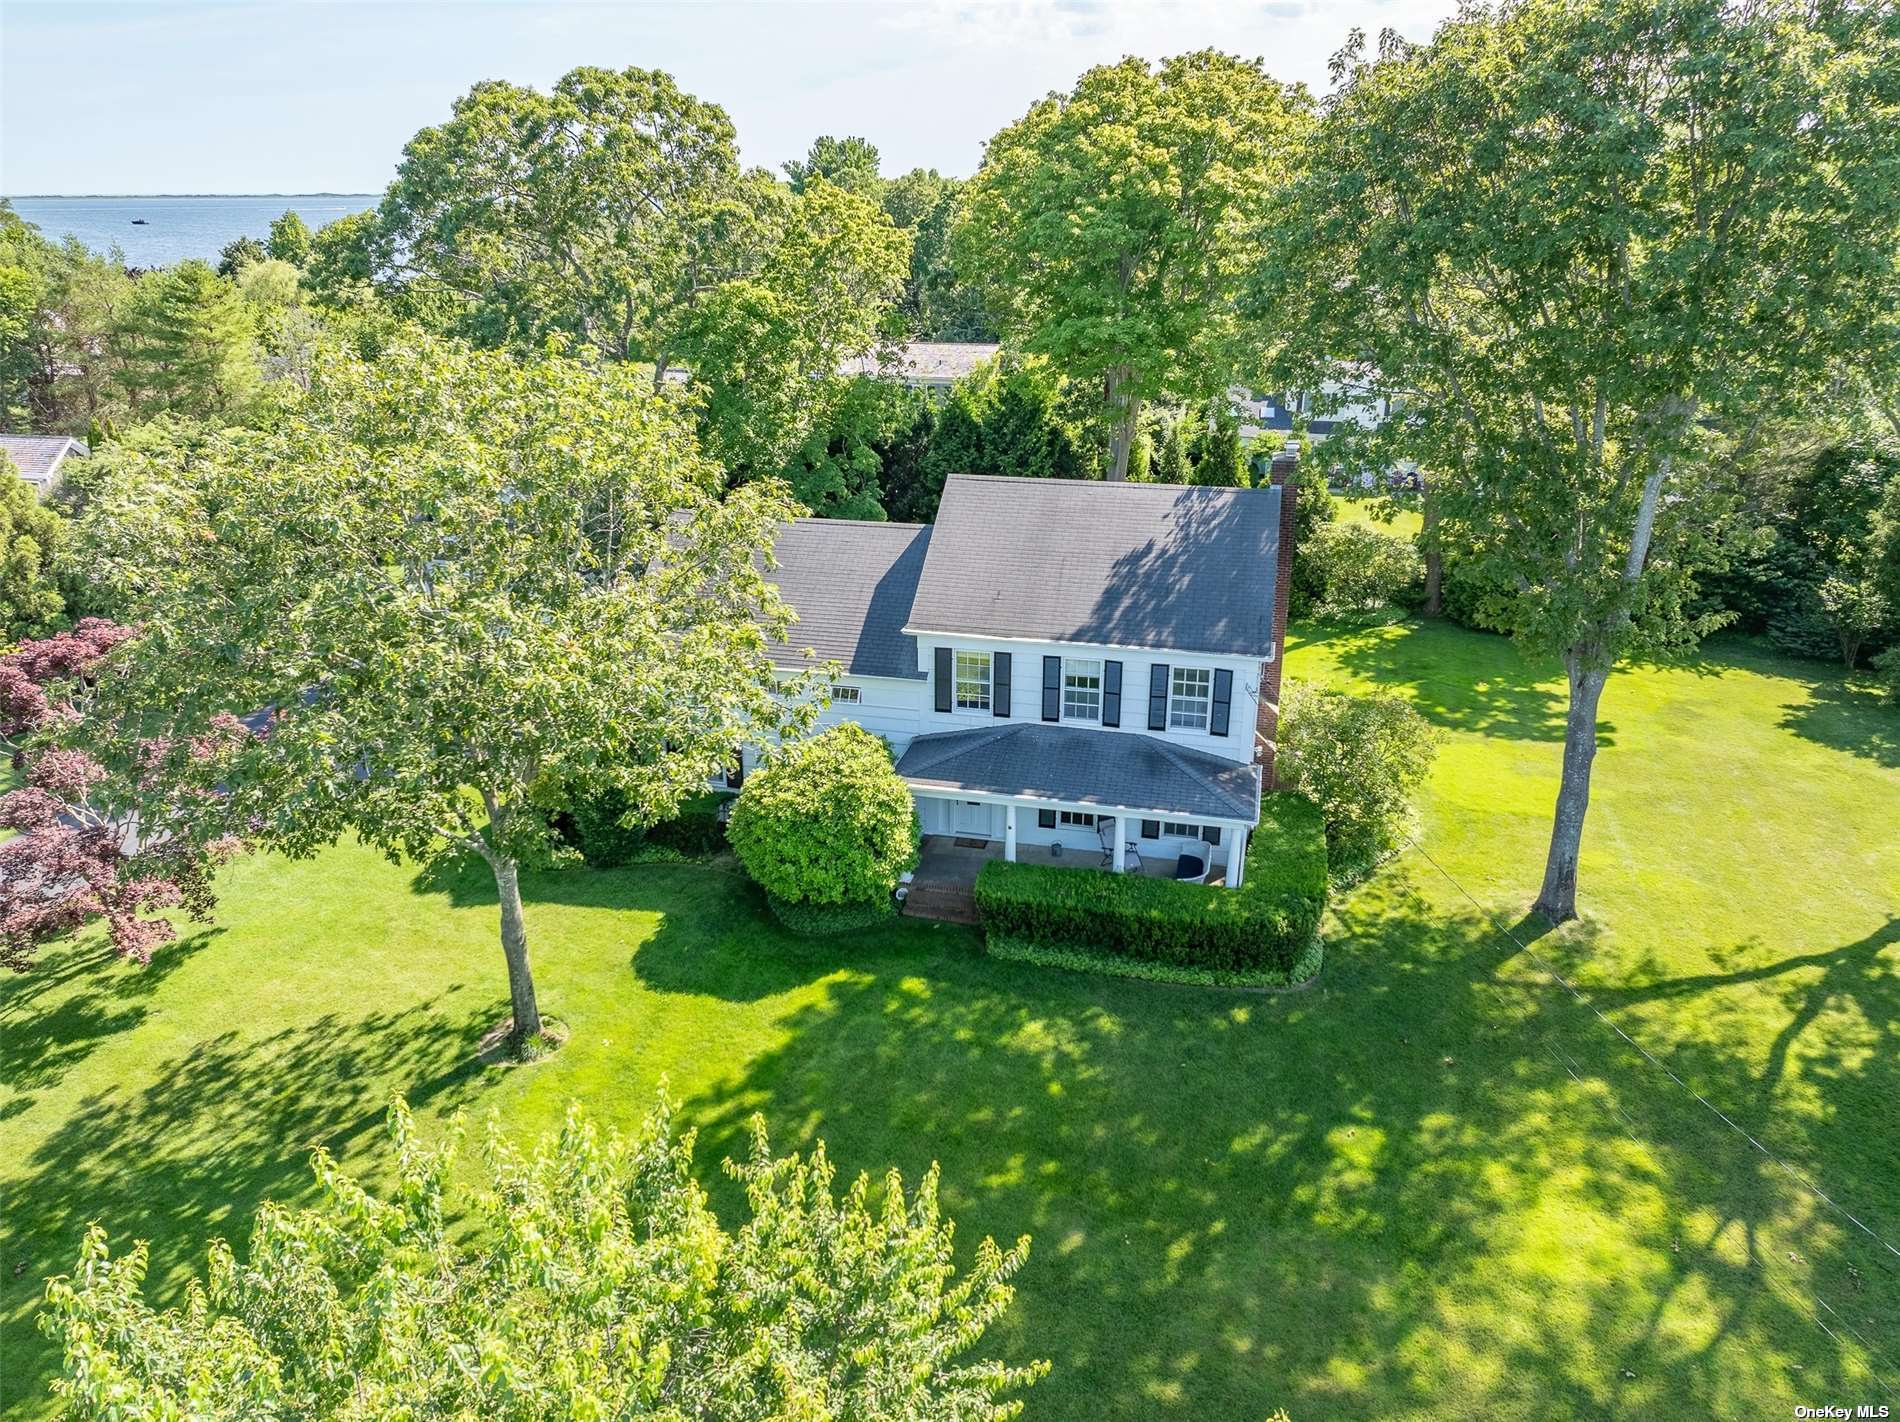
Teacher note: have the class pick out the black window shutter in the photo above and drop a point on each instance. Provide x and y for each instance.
(1045, 819)
(1151, 829)
(1052, 688)
(999, 684)
(1158, 697)
(1111, 693)
(1223, 703)
(946, 691)
(1211, 833)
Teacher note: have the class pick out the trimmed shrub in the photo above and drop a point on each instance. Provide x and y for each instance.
(1360, 759)
(826, 821)
(827, 920)
(1354, 568)
(594, 825)
(1267, 924)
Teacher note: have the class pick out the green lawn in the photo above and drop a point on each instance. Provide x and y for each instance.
(1380, 512)
(1431, 1186)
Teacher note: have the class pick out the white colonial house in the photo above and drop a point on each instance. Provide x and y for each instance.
(1060, 663)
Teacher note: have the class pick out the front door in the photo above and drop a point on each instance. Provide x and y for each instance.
(971, 817)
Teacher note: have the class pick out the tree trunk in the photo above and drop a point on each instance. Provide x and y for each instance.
(514, 946)
(1434, 556)
(1126, 413)
(1557, 900)
(1850, 648)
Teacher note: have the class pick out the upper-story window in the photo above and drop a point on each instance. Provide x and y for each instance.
(973, 681)
(1190, 699)
(842, 694)
(1081, 689)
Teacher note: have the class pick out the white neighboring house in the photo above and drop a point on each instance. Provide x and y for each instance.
(41, 459)
(1335, 403)
(1051, 653)
(926, 365)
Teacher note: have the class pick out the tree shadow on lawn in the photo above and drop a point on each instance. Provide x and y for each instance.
(38, 1047)
(1376, 1197)
(1462, 680)
(224, 1126)
(1845, 717)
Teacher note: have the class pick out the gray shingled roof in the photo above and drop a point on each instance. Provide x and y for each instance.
(1127, 565)
(1116, 769)
(932, 361)
(38, 456)
(851, 584)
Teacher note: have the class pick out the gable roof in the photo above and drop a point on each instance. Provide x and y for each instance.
(1155, 566)
(38, 457)
(851, 584)
(1113, 769)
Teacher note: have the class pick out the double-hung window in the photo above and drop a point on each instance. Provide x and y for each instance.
(1190, 699)
(973, 681)
(1081, 690)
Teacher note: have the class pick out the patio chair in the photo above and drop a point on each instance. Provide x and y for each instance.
(1105, 831)
(1191, 869)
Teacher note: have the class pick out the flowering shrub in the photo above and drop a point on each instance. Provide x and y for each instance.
(80, 852)
(827, 821)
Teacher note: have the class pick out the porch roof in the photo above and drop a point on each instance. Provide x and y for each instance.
(1119, 770)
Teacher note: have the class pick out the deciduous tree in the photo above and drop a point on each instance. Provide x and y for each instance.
(1107, 226)
(452, 577)
(1577, 240)
(596, 1283)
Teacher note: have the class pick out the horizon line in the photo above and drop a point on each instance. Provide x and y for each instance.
(12, 197)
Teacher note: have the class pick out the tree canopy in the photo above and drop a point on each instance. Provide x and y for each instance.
(451, 577)
(597, 1283)
(1579, 242)
(1107, 227)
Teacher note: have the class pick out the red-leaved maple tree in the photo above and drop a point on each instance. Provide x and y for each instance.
(80, 852)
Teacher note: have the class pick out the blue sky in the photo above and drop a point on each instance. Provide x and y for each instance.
(319, 97)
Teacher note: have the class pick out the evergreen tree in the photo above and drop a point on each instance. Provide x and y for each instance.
(239, 253)
(187, 346)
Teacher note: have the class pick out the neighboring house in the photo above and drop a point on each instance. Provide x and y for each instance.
(1333, 405)
(41, 459)
(1054, 652)
(926, 365)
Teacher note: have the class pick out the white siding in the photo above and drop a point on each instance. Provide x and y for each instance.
(886, 707)
(1026, 691)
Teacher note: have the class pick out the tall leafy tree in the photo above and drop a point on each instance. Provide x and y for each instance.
(59, 304)
(32, 542)
(290, 239)
(1107, 226)
(937, 304)
(848, 163)
(1581, 238)
(613, 210)
(597, 1283)
(453, 579)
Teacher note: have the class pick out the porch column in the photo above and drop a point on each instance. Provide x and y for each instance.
(1237, 857)
(1009, 833)
(1121, 846)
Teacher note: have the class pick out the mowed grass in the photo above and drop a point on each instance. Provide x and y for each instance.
(1431, 1187)
(1396, 516)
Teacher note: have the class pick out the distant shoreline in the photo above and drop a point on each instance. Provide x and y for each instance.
(148, 197)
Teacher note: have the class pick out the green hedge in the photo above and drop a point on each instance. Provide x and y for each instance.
(1267, 924)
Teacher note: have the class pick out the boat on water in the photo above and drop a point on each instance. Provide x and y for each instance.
(140, 222)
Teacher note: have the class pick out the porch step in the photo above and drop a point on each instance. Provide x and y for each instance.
(947, 903)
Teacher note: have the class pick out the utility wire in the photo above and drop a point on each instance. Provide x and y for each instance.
(1550, 970)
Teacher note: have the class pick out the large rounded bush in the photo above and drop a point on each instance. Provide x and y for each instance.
(1353, 568)
(826, 821)
(1361, 759)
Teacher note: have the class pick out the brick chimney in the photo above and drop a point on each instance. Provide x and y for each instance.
(1267, 724)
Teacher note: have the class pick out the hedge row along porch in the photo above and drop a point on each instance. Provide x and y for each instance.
(1075, 672)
